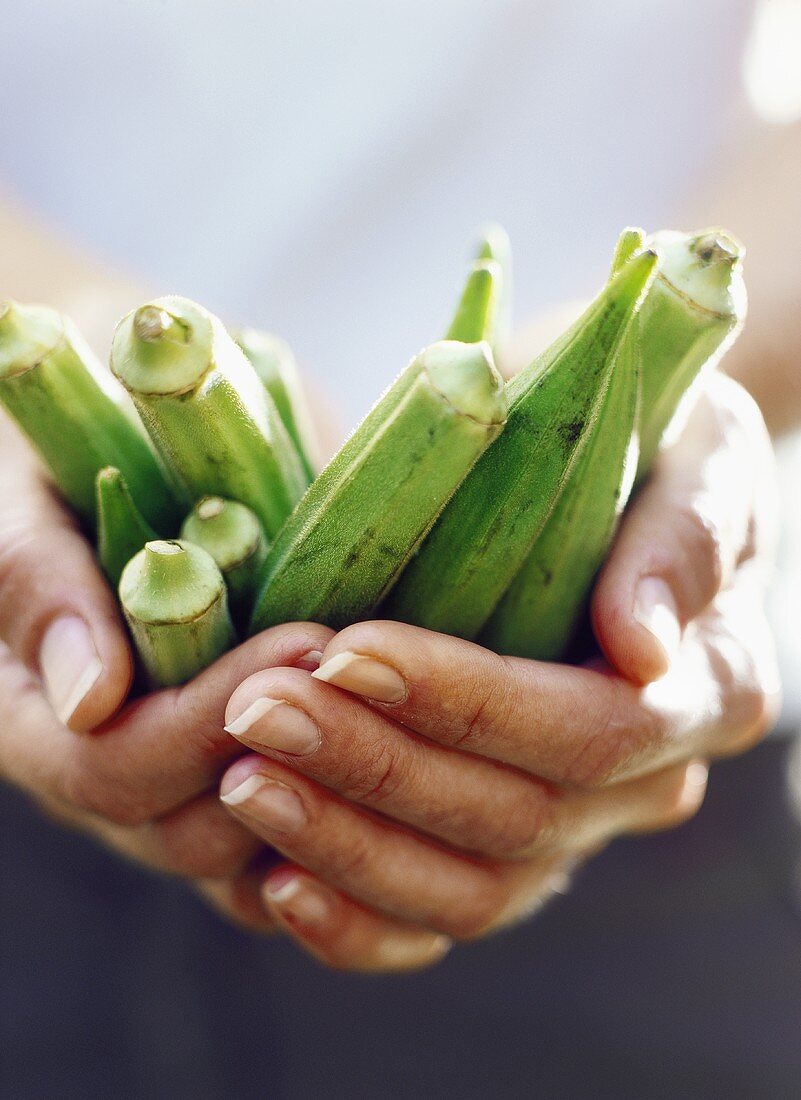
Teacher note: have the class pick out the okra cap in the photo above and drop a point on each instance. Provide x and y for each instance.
(466, 376)
(28, 334)
(226, 529)
(705, 268)
(170, 581)
(164, 347)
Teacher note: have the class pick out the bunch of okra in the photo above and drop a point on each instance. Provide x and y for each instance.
(460, 503)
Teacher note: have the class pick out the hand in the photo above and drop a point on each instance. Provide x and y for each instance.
(424, 788)
(145, 781)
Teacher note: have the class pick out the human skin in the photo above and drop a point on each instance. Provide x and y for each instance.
(436, 817)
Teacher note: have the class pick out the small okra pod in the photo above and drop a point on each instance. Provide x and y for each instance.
(175, 603)
(232, 534)
(121, 529)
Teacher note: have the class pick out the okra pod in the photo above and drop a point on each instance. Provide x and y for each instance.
(487, 530)
(494, 244)
(693, 313)
(175, 603)
(540, 612)
(214, 424)
(476, 316)
(273, 361)
(350, 536)
(69, 407)
(122, 531)
(232, 534)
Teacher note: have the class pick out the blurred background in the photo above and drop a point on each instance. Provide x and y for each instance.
(318, 169)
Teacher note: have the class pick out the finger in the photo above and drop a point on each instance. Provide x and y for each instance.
(700, 515)
(343, 934)
(387, 868)
(57, 614)
(463, 800)
(160, 752)
(240, 901)
(572, 726)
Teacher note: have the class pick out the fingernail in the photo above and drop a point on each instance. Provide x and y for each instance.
(275, 805)
(69, 664)
(276, 724)
(364, 676)
(655, 609)
(300, 898)
(411, 950)
(310, 661)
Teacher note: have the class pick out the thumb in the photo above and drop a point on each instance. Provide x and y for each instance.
(705, 509)
(57, 614)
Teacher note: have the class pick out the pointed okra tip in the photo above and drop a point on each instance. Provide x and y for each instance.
(493, 243)
(466, 376)
(170, 581)
(476, 315)
(628, 287)
(164, 347)
(28, 333)
(705, 267)
(631, 240)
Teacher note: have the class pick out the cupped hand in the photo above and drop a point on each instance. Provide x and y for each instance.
(145, 779)
(422, 788)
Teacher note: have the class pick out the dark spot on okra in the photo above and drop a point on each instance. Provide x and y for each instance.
(570, 432)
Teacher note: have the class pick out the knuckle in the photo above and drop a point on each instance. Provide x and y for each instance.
(350, 863)
(613, 746)
(492, 699)
(377, 772)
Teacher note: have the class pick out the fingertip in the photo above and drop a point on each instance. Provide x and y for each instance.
(638, 632)
(86, 671)
(343, 935)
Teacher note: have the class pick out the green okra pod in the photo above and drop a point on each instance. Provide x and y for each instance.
(541, 610)
(232, 534)
(348, 539)
(69, 407)
(273, 361)
(494, 244)
(213, 422)
(121, 529)
(476, 316)
(693, 313)
(487, 530)
(176, 606)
